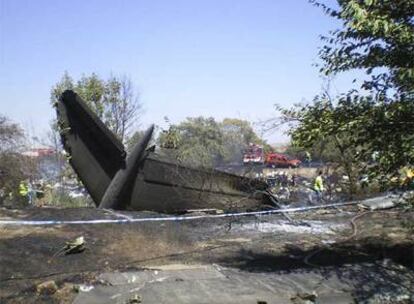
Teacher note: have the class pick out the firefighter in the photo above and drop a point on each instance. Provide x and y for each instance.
(318, 186)
(308, 158)
(25, 190)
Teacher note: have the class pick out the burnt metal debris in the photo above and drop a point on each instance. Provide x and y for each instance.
(143, 179)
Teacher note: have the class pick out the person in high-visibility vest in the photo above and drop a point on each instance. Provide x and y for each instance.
(318, 185)
(407, 180)
(308, 158)
(26, 190)
(23, 189)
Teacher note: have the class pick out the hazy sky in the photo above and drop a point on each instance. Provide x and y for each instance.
(215, 58)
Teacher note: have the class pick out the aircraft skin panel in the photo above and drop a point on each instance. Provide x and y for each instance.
(85, 165)
(166, 187)
(208, 180)
(168, 199)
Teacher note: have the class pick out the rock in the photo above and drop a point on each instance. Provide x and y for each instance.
(304, 298)
(136, 299)
(67, 288)
(66, 293)
(379, 203)
(47, 287)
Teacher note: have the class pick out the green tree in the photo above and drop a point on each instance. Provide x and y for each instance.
(92, 90)
(122, 106)
(170, 139)
(324, 124)
(376, 34)
(14, 167)
(238, 134)
(356, 129)
(202, 141)
(114, 100)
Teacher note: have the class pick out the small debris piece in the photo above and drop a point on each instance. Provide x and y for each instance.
(47, 287)
(75, 246)
(379, 203)
(135, 299)
(304, 298)
(207, 211)
(85, 288)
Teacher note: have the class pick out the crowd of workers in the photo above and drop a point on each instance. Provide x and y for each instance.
(283, 181)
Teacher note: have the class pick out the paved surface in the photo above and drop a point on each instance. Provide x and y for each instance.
(368, 283)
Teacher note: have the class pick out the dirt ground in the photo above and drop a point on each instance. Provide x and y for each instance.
(255, 243)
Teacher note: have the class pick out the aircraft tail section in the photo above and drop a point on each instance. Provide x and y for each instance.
(94, 151)
(141, 181)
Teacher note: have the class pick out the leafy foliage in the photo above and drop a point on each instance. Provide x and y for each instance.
(11, 135)
(369, 133)
(113, 100)
(365, 135)
(202, 141)
(14, 167)
(375, 34)
(170, 139)
(238, 134)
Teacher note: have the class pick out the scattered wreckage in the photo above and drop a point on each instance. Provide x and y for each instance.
(143, 179)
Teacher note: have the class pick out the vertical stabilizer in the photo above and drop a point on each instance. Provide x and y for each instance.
(93, 150)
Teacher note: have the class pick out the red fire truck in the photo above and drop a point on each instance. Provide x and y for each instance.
(255, 155)
(280, 160)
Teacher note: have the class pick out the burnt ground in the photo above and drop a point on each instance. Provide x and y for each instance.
(321, 240)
